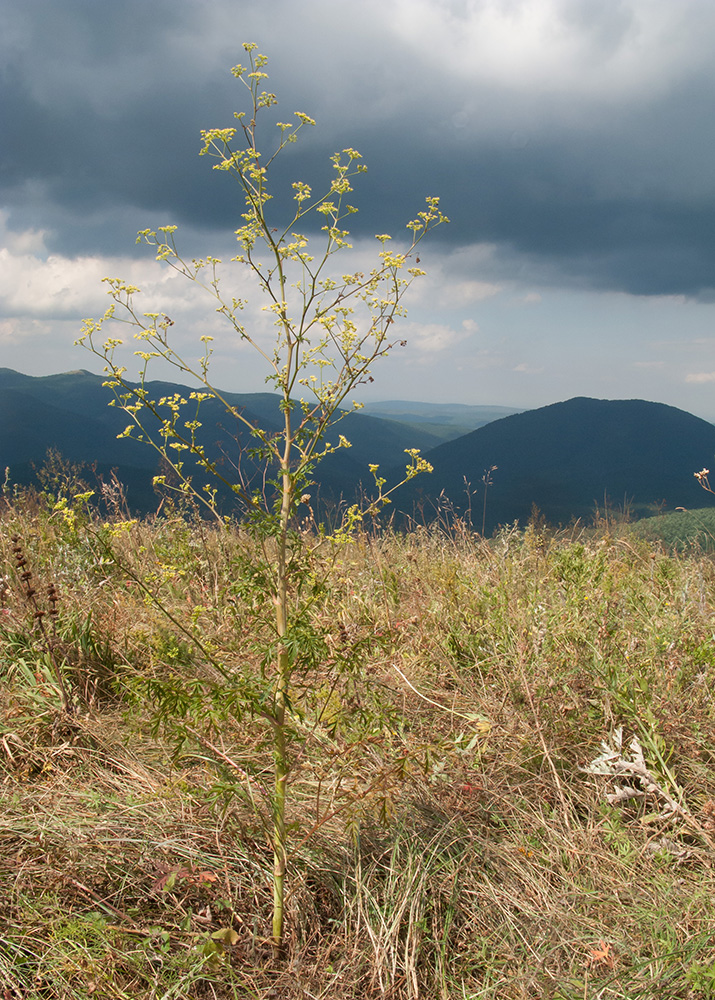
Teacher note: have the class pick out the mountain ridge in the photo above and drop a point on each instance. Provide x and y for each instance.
(569, 456)
(564, 458)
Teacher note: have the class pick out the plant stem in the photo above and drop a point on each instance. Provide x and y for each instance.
(282, 766)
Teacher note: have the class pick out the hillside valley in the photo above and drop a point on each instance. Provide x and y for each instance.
(565, 459)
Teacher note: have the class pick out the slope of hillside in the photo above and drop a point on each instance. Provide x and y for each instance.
(565, 458)
(70, 413)
(570, 456)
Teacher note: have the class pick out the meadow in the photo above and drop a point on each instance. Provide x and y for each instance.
(507, 790)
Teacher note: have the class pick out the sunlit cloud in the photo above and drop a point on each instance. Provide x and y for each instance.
(435, 338)
(28, 241)
(463, 293)
(36, 285)
(632, 49)
(14, 330)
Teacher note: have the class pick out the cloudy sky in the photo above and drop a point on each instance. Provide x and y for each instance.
(572, 143)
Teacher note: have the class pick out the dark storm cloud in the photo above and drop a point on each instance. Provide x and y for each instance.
(96, 117)
(103, 103)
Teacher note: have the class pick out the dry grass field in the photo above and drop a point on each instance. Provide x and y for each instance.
(448, 839)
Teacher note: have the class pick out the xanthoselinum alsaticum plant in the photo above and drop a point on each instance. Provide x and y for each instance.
(330, 329)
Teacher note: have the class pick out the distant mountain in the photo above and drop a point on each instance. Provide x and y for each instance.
(70, 413)
(566, 459)
(446, 420)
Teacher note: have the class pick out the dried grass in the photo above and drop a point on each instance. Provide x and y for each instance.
(488, 864)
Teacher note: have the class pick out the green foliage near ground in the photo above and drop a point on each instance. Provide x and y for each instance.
(680, 529)
(448, 839)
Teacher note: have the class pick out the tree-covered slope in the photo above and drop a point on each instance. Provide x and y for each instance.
(70, 414)
(570, 456)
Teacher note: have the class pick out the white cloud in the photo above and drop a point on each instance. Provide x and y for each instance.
(30, 241)
(435, 338)
(634, 48)
(698, 377)
(462, 293)
(35, 285)
(454, 277)
(14, 330)
(54, 287)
